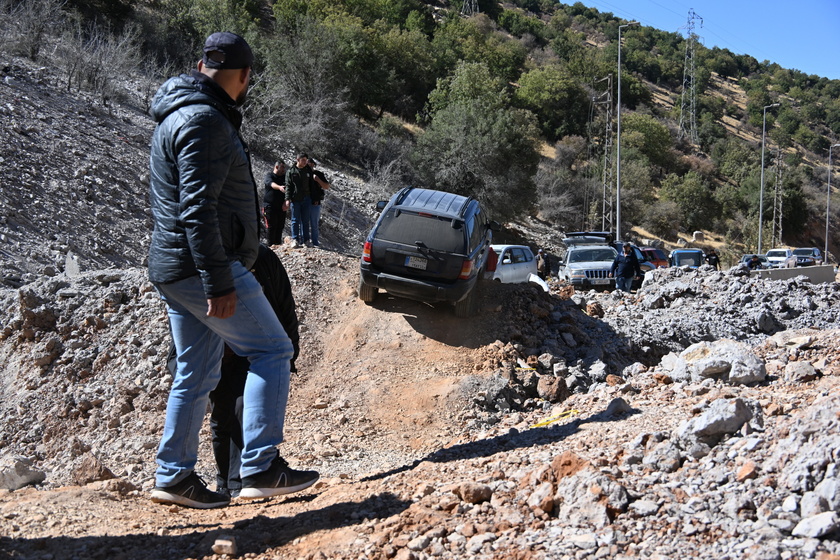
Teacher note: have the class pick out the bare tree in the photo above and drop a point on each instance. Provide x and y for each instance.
(25, 24)
(96, 59)
(295, 101)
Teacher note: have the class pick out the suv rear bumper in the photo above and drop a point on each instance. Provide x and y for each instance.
(417, 289)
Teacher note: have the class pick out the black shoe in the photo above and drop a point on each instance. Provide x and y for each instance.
(190, 492)
(277, 480)
(232, 492)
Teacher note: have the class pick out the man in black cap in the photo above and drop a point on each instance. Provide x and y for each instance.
(205, 214)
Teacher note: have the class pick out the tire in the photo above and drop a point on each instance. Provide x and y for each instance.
(467, 306)
(367, 293)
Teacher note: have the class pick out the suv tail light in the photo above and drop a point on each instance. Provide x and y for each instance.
(366, 252)
(466, 269)
(492, 260)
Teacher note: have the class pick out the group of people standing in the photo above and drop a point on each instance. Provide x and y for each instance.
(300, 189)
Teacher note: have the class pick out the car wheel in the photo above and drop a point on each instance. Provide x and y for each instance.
(367, 293)
(467, 306)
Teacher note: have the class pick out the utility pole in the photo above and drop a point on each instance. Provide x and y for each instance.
(618, 139)
(777, 201)
(688, 104)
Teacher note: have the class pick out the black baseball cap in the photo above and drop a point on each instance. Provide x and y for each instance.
(226, 50)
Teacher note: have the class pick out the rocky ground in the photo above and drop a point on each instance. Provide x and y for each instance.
(697, 418)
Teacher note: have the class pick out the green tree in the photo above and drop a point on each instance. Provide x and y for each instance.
(649, 136)
(558, 101)
(476, 40)
(693, 197)
(476, 145)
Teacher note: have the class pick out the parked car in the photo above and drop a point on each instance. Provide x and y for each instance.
(429, 246)
(808, 256)
(687, 257)
(514, 264)
(606, 238)
(587, 263)
(777, 257)
(655, 256)
(762, 259)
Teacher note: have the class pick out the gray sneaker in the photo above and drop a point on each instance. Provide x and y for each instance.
(189, 492)
(277, 480)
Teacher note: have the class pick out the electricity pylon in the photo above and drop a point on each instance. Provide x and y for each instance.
(469, 8)
(688, 103)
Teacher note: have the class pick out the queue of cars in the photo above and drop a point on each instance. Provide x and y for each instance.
(788, 258)
(435, 246)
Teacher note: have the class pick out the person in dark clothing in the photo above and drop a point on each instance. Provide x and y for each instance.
(317, 187)
(625, 268)
(274, 203)
(299, 197)
(226, 398)
(713, 259)
(754, 263)
(205, 240)
(543, 267)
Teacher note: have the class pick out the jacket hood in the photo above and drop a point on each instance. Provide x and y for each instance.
(192, 89)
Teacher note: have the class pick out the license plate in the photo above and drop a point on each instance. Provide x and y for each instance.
(600, 281)
(416, 262)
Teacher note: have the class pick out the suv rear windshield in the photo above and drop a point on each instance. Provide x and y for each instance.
(408, 228)
(777, 253)
(688, 259)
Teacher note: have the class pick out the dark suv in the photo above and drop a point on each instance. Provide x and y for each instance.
(428, 246)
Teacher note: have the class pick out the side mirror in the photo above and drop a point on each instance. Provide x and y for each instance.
(380, 205)
(494, 225)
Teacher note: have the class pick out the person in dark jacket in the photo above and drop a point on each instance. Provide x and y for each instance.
(205, 215)
(274, 203)
(317, 187)
(299, 197)
(625, 268)
(713, 259)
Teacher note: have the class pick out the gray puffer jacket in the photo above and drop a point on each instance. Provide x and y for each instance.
(202, 193)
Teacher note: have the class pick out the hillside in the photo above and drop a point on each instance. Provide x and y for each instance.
(552, 425)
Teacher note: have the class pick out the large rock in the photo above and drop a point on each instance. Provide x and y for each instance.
(722, 417)
(17, 472)
(726, 360)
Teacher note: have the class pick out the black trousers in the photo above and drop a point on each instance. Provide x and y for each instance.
(226, 420)
(274, 219)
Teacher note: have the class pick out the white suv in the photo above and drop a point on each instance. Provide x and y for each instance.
(777, 257)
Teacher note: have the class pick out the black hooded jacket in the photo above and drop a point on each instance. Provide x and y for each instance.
(203, 197)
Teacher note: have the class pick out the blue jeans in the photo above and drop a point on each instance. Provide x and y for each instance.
(253, 332)
(300, 219)
(314, 217)
(623, 283)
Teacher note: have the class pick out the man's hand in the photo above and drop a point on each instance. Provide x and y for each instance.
(222, 307)
(286, 205)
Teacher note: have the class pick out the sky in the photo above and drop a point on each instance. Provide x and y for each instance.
(796, 34)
